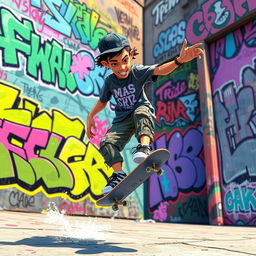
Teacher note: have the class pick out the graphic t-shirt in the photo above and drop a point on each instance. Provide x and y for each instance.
(129, 93)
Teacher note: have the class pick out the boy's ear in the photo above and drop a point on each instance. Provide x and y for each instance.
(104, 63)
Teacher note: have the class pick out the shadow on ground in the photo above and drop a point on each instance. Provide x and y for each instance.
(84, 246)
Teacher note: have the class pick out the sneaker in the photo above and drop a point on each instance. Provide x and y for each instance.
(140, 153)
(116, 178)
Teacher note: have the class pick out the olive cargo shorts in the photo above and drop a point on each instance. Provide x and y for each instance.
(140, 122)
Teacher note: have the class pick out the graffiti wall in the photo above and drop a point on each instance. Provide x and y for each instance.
(49, 83)
(174, 20)
(234, 110)
(214, 15)
(179, 195)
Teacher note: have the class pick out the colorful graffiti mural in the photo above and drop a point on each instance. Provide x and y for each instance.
(234, 107)
(48, 61)
(180, 194)
(176, 98)
(214, 15)
(49, 83)
(44, 151)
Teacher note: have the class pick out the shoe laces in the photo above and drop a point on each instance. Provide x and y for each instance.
(139, 146)
(113, 180)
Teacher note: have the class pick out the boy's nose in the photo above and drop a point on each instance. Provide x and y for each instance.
(123, 67)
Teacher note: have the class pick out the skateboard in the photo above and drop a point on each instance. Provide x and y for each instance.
(151, 164)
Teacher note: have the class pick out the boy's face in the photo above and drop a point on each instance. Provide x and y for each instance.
(120, 64)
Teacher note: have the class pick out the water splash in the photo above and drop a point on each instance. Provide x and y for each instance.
(88, 229)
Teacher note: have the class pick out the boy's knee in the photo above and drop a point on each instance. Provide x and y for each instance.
(110, 153)
(144, 113)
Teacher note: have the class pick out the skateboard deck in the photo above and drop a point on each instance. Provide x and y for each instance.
(151, 164)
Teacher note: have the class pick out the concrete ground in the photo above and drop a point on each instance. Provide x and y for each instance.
(54, 234)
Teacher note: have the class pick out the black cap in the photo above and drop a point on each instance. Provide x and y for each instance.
(112, 42)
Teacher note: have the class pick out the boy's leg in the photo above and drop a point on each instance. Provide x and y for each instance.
(111, 146)
(144, 140)
(144, 131)
(111, 153)
(118, 167)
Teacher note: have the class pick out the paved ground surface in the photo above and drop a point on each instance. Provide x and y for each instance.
(55, 234)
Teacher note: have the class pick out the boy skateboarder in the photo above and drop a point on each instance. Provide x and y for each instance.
(134, 113)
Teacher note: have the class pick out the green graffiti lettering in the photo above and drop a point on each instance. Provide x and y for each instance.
(6, 162)
(248, 198)
(62, 176)
(25, 172)
(238, 200)
(242, 199)
(47, 173)
(70, 153)
(87, 29)
(48, 58)
(71, 81)
(229, 202)
(39, 59)
(96, 33)
(95, 169)
(56, 64)
(14, 37)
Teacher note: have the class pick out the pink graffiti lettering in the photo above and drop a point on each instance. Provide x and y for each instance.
(169, 91)
(34, 13)
(101, 129)
(199, 32)
(170, 111)
(10, 131)
(3, 75)
(27, 140)
(72, 208)
(240, 7)
(37, 138)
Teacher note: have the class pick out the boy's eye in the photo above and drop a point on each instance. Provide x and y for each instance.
(125, 60)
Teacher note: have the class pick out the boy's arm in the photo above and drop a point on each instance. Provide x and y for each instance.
(90, 121)
(186, 54)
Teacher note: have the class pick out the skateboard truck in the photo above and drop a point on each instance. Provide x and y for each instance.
(116, 203)
(150, 165)
(152, 168)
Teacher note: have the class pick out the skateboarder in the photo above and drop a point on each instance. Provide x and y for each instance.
(134, 113)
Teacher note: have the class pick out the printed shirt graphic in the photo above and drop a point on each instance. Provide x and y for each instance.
(129, 93)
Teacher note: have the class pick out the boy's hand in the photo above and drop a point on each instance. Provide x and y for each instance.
(189, 53)
(90, 124)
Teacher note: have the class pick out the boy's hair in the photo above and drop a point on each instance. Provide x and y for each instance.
(107, 56)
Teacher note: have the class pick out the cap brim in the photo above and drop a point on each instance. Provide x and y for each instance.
(117, 49)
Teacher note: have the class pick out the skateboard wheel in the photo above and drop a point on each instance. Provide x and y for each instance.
(149, 169)
(115, 207)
